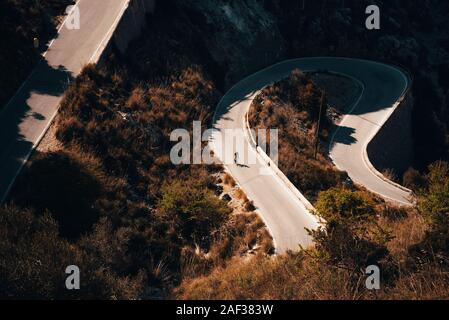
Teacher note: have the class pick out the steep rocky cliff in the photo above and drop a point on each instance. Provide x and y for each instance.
(241, 36)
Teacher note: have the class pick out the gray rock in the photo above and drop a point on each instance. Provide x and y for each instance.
(226, 197)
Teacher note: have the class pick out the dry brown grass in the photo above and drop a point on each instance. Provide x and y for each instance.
(244, 234)
(406, 232)
(239, 194)
(229, 180)
(303, 276)
(390, 174)
(292, 106)
(286, 278)
(248, 205)
(429, 284)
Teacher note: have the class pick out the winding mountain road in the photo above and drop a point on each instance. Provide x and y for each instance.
(284, 210)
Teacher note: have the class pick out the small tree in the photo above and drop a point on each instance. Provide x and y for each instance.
(351, 239)
(342, 204)
(433, 201)
(192, 211)
(433, 204)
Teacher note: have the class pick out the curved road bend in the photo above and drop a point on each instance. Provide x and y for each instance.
(26, 117)
(285, 215)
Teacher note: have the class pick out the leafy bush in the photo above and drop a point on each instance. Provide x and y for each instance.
(352, 238)
(192, 211)
(433, 204)
(342, 204)
(342, 246)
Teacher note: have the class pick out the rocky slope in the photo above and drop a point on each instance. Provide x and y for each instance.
(240, 37)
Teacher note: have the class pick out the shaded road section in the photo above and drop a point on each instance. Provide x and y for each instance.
(26, 117)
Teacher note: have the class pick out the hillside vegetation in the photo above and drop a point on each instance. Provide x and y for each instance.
(293, 107)
(409, 246)
(112, 196)
(110, 200)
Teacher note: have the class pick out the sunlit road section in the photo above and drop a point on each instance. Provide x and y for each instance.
(286, 215)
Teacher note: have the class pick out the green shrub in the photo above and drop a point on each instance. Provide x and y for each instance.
(342, 204)
(433, 201)
(193, 211)
(433, 204)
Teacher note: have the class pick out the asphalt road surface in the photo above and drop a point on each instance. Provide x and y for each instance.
(285, 215)
(26, 117)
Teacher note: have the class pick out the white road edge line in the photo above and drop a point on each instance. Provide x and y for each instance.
(43, 55)
(110, 31)
(33, 148)
(365, 157)
(369, 165)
